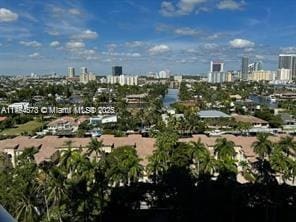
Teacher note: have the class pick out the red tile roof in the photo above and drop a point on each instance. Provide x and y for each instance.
(144, 146)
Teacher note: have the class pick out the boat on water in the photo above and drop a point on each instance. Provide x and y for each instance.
(271, 98)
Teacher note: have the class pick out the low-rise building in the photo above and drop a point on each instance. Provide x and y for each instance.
(252, 120)
(136, 98)
(212, 114)
(102, 119)
(63, 124)
(289, 122)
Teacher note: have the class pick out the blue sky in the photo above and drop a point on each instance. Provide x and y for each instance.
(142, 35)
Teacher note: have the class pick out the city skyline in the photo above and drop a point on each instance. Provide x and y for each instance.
(182, 35)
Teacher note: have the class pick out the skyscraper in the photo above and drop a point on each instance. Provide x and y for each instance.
(116, 70)
(83, 70)
(216, 74)
(245, 66)
(288, 61)
(256, 66)
(216, 66)
(71, 72)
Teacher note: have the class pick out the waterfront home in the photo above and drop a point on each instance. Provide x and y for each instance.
(252, 120)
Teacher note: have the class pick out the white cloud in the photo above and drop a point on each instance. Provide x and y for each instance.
(231, 5)
(186, 31)
(34, 55)
(167, 9)
(261, 57)
(7, 16)
(210, 46)
(55, 44)
(248, 49)
(75, 45)
(187, 6)
(241, 43)
(158, 49)
(74, 11)
(134, 44)
(87, 34)
(87, 52)
(183, 7)
(122, 54)
(33, 44)
(134, 54)
(290, 49)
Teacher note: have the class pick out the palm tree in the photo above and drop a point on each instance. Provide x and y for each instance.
(68, 159)
(201, 157)
(282, 164)
(224, 149)
(287, 144)
(246, 171)
(263, 146)
(57, 192)
(124, 166)
(95, 146)
(157, 164)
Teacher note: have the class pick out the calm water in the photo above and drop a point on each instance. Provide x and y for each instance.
(171, 97)
(263, 101)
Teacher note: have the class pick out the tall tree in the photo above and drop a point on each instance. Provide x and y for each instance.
(263, 146)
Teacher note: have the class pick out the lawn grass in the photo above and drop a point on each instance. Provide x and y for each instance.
(28, 127)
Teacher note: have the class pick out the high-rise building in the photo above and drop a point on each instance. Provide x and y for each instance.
(284, 75)
(83, 70)
(216, 66)
(71, 72)
(116, 70)
(86, 77)
(122, 80)
(217, 77)
(245, 68)
(164, 74)
(256, 66)
(262, 75)
(288, 61)
(216, 74)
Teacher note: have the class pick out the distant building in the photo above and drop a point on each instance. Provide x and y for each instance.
(178, 78)
(123, 80)
(288, 61)
(245, 68)
(256, 66)
(217, 77)
(284, 75)
(116, 70)
(216, 74)
(228, 77)
(102, 119)
(252, 120)
(212, 114)
(217, 66)
(164, 74)
(86, 77)
(63, 124)
(136, 98)
(83, 70)
(71, 72)
(262, 75)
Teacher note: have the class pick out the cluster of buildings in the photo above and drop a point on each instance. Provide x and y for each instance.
(84, 76)
(117, 76)
(285, 73)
